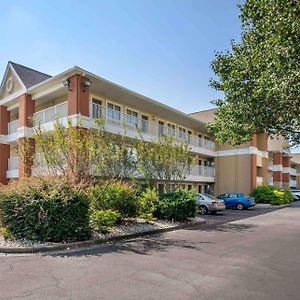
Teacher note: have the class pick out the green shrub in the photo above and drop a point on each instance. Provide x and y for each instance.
(104, 220)
(148, 202)
(178, 206)
(117, 196)
(6, 233)
(272, 195)
(45, 211)
(263, 194)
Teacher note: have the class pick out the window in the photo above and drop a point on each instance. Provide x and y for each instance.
(145, 124)
(131, 117)
(181, 133)
(114, 112)
(200, 188)
(199, 162)
(171, 129)
(189, 137)
(199, 140)
(232, 196)
(161, 126)
(161, 188)
(189, 187)
(96, 108)
(172, 187)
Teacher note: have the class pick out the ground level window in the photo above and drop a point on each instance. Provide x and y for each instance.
(200, 188)
(190, 187)
(161, 188)
(208, 189)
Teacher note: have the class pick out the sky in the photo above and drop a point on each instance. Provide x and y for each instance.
(159, 48)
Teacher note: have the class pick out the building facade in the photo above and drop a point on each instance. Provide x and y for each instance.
(27, 94)
(264, 160)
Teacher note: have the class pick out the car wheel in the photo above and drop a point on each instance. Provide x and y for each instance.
(240, 206)
(203, 210)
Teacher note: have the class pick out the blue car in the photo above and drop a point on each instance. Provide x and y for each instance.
(237, 200)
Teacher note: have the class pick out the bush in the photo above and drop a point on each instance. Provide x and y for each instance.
(45, 211)
(148, 202)
(272, 195)
(117, 196)
(104, 220)
(178, 206)
(6, 233)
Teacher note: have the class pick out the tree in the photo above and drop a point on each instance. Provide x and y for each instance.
(163, 160)
(81, 154)
(260, 76)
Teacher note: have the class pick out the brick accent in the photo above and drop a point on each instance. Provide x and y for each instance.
(253, 172)
(286, 161)
(26, 145)
(277, 158)
(26, 110)
(26, 150)
(4, 149)
(78, 97)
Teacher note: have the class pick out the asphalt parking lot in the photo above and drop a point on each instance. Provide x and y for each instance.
(251, 254)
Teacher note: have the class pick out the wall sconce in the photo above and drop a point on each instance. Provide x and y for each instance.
(86, 84)
(67, 83)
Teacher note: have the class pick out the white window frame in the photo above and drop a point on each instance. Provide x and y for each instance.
(119, 120)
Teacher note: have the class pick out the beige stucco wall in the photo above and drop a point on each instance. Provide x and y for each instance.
(277, 143)
(233, 174)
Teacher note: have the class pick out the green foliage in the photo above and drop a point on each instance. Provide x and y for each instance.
(272, 195)
(148, 201)
(6, 233)
(260, 75)
(104, 220)
(45, 211)
(178, 206)
(163, 159)
(117, 196)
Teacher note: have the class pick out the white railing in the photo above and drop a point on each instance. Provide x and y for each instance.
(270, 165)
(13, 126)
(116, 118)
(13, 163)
(271, 180)
(293, 183)
(259, 180)
(293, 172)
(205, 171)
(51, 113)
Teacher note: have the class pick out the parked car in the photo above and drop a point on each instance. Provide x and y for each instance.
(237, 200)
(296, 194)
(208, 203)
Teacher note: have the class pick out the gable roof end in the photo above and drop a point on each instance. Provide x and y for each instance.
(28, 76)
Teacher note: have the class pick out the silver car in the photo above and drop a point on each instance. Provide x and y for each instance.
(208, 203)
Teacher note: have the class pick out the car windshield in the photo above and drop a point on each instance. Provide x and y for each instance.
(210, 196)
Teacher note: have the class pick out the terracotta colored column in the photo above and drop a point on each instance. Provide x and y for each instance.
(277, 165)
(4, 148)
(78, 96)
(286, 175)
(253, 163)
(26, 145)
(298, 176)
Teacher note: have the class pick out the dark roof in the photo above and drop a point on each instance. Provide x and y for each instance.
(28, 76)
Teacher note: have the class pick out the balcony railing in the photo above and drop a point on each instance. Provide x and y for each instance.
(51, 113)
(205, 171)
(259, 180)
(13, 163)
(293, 172)
(13, 126)
(270, 180)
(146, 128)
(293, 183)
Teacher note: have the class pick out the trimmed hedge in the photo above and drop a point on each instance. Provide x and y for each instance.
(272, 195)
(177, 206)
(104, 220)
(117, 196)
(47, 212)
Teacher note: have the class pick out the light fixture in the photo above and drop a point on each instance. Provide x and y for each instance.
(67, 82)
(86, 84)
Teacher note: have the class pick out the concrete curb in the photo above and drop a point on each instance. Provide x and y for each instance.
(89, 243)
(263, 206)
